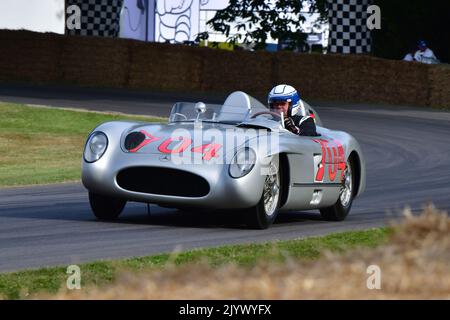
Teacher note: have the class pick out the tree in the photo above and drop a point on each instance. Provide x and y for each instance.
(254, 20)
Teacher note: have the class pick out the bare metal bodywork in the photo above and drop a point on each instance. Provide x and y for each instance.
(302, 158)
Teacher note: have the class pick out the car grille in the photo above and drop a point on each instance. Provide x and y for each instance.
(162, 181)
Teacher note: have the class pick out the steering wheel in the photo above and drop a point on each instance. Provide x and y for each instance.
(180, 114)
(276, 115)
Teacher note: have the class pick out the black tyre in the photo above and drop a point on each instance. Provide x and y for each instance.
(340, 210)
(264, 213)
(104, 207)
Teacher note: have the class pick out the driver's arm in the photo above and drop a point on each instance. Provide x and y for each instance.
(307, 126)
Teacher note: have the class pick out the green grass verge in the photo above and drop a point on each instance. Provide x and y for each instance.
(48, 280)
(45, 145)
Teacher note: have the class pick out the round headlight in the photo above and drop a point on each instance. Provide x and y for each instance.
(95, 146)
(242, 163)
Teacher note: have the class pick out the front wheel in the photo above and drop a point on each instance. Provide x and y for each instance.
(340, 210)
(104, 207)
(264, 213)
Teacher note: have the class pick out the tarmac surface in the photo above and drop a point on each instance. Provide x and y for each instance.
(407, 154)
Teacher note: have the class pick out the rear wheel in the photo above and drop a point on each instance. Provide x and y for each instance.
(340, 210)
(104, 207)
(264, 213)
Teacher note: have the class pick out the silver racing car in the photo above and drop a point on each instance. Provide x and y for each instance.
(237, 156)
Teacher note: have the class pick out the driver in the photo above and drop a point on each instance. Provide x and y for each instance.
(285, 99)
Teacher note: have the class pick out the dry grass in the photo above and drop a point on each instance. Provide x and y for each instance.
(415, 264)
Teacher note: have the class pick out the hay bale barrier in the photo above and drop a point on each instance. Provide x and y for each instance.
(45, 58)
(161, 66)
(88, 62)
(439, 78)
(30, 57)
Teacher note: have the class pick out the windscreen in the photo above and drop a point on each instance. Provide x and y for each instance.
(187, 112)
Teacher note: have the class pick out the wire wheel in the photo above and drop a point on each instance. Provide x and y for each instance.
(347, 187)
(271, 191)
(340, 210)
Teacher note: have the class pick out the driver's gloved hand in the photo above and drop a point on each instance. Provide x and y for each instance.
(289, 124)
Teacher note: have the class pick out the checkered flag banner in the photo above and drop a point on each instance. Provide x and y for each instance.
(98, 17)
(348, 26)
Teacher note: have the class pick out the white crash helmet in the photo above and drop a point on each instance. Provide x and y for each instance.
(284, 92)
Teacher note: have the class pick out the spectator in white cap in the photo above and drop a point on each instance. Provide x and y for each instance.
(425, 54)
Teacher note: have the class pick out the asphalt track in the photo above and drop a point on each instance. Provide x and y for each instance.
(408, 164)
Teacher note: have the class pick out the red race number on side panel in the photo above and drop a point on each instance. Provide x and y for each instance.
(332, 155)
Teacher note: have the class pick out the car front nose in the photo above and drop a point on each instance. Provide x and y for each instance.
(152, 178)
